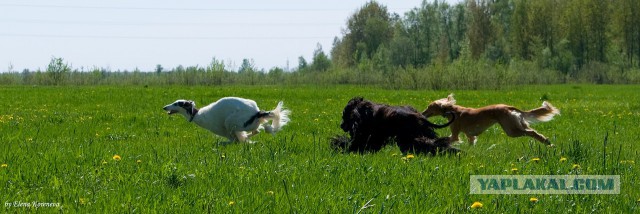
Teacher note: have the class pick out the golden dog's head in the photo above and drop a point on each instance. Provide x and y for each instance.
(440, 107)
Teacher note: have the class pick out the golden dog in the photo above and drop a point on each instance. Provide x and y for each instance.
(472, 122)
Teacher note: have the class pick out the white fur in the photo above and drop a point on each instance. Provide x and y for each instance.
(227, 117)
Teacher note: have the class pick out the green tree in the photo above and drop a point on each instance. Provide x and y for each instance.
(480, 28)
(367, 29)
(628, 26)
(247, 66)
(58, 70)
(159, 69)
(520, 37)
(302, 63)
(597, 16)
(321, 61)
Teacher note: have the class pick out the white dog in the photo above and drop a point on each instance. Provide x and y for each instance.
(232, 117)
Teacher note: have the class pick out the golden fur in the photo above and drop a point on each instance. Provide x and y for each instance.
(472, 122)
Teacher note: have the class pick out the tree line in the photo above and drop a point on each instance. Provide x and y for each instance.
(562, 35)
(470, 45)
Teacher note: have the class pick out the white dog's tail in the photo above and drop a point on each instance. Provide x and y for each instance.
(542, 114)
(279, 117)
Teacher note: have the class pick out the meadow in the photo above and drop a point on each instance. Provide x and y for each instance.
(88, 149)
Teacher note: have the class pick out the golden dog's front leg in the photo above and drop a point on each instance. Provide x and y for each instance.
(472, 139)
(453, 138)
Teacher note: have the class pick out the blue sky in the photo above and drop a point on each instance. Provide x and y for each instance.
(126, 34)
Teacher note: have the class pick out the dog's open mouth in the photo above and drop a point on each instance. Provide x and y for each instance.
(172, 112)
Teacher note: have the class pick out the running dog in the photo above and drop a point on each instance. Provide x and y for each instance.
(235, 118)
(372, 126)
(472, 122)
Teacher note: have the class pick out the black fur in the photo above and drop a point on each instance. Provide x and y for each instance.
(256, 116)
(372, 126)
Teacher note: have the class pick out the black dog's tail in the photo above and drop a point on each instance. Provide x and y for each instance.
(453, 117)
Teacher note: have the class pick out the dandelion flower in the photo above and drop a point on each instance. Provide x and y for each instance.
(535, 159)
(476, 205)
(4, 165)
(533, 199)
(627, 161)
(575, 166)
(409, 156)
(231, 203)
(563, 159)
(117, 157)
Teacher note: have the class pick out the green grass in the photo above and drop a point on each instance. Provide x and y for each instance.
(59, 145)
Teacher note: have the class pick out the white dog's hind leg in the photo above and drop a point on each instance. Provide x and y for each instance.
(255, 132)
(243, 137)
(269, 129)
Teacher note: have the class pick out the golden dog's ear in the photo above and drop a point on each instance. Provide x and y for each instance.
(451, 100)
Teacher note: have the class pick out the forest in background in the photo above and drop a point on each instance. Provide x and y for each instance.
(471, 45)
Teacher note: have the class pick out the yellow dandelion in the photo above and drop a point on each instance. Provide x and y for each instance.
(410, 156)
(117, 157)
(533, 200)
(575, 166)
(563, 159)
(535, 159)
(627, 161)
(476, 205)
(231, 203)
(4, 165)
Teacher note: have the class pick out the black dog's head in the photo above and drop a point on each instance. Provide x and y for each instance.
(354, 113)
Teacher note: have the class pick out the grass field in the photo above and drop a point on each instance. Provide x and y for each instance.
(113, 149)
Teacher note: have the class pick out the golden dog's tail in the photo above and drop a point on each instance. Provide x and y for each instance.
(542, 114)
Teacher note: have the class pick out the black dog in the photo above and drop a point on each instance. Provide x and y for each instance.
(372, 126)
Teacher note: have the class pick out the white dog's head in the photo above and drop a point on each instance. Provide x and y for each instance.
(185, 107)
